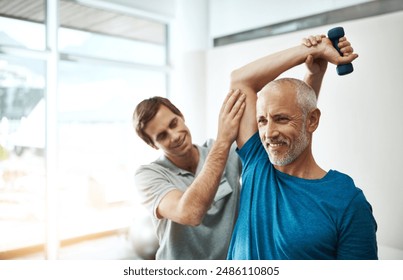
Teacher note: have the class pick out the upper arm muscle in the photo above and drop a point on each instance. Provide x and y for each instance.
(248, 125)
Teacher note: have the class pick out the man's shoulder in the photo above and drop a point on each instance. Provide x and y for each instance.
(156, 166)
(341, 177)
(344, 182)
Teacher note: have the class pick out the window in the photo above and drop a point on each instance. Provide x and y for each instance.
(108, 63)
(97, 157)
(22, 164)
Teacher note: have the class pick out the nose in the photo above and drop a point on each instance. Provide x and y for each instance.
(271, 131)
(174, 136)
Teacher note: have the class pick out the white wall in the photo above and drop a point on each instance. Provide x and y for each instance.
(361, 129)
(232, 16)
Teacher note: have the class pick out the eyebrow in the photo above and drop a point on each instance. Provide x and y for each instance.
(281, 115)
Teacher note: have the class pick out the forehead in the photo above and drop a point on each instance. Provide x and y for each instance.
(278, 98)
(160, 121)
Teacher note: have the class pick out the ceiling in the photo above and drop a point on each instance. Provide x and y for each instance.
(78, 16)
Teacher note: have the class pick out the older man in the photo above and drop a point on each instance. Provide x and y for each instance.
(290, 207)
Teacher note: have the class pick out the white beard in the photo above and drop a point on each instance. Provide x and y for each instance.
(287, 158)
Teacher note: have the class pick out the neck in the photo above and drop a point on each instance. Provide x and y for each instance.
(188, 161)
(304, 167)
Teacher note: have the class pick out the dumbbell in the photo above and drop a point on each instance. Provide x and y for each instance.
(334, 35)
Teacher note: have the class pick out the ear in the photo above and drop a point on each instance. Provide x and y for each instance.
(313, 120)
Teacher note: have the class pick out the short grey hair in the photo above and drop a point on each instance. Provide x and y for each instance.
(306, 96)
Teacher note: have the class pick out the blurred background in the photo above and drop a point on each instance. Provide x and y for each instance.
(71, 73)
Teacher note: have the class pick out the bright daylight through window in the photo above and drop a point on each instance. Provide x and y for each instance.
(108, 63)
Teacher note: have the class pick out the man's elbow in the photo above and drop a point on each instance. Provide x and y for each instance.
(241, 81)
(191, 217)
(191, 220)
(236, 78)
(195, 222)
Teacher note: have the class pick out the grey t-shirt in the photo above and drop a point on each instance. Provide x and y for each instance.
(209, 240)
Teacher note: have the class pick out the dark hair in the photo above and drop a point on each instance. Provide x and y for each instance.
(146, 110)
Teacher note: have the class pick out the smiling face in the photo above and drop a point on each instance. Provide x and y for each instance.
(282, 124)
(169, 133)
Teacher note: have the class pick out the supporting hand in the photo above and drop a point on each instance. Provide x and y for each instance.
(231, 113)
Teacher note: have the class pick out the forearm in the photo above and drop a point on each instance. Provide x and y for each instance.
(315, 81)
(197, 199)
(258, 73)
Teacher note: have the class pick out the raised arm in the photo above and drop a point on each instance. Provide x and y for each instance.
(189, 207)
(316, 68)
(251, 78)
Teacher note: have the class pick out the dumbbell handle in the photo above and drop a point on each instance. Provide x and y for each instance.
(334, 35)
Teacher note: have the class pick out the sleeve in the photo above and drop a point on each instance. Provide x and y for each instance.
(234, 160)
(357, 238)
(152, 186)
(252, 150)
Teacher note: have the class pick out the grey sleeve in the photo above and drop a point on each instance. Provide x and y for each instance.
(152, 186)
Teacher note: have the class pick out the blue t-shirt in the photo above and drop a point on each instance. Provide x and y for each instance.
(285, 217)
